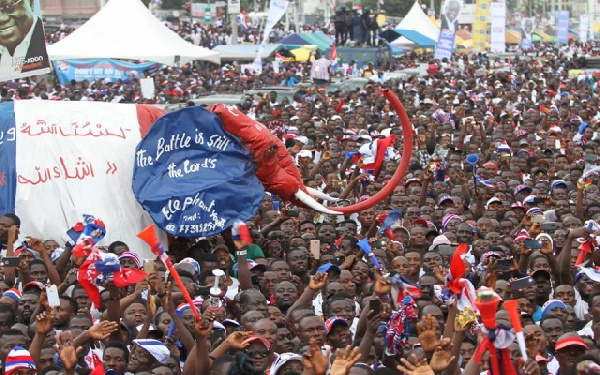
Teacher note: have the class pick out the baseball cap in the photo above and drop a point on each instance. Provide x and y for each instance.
(493, 200)
(411, 180)
(523, 188)
(257, 338)
(565, 342)
(329, 323)
(219, 247)
(305, 154)
(445, 198)
(231, 322)
(282, 360)
(557, 183)
(33, 284)
(542, 273)
(551, 305)
(517, 205)
(329, 267)
(251, 265)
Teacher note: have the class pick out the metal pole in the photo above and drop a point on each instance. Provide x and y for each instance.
(234, 28)
(286, 24)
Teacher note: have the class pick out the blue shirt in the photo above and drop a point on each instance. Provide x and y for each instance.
(291, 82)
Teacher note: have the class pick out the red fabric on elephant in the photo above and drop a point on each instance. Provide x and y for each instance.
(275, 168)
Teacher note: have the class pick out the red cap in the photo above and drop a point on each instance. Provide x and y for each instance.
(257, 338)
(570, 341)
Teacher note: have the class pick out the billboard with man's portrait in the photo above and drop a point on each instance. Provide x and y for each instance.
(527, 29)
(22, 43)
(451, 10)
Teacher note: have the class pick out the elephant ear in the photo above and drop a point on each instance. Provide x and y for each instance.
(194, 178)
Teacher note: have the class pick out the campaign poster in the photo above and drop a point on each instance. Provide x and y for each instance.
(451, 10)
(22, 42)
(527, 29)
(562, 27)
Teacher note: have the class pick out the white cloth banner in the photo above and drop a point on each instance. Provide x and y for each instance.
(147, 86)
(584, 21)
(74, 158)
(497, 35)
(276, 10)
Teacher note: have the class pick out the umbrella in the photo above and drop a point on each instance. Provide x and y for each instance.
(303, 53)
(545, 37)
(389, 35)
(512, 37)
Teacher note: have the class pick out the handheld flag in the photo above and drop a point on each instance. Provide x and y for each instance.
(386, 220)
(108, 265)
(149, 236)
(366, 248)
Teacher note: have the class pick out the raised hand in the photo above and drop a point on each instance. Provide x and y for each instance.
(546, 248)
(442, 356)
(13, 233)
(428, 333)
(344, 362)
(382, 284)
(67, 352)
(43, 323)
(36, 244)
(44, 301)
(234, 341)
(102, 330)
(318, 281)
(203, 327)
(318, 362)
(416, 367)
(440, 272)
(490, 277)
(167, 301)
(139, 287)
(532, 345)
(156, 283)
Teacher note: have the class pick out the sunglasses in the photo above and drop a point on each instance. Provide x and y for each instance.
(260, 352)
(9, 7)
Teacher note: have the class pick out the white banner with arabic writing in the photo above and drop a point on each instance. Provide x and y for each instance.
(74, 158)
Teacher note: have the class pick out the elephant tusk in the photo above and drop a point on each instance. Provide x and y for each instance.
(312, 203)
(404, 161)
(321, 195)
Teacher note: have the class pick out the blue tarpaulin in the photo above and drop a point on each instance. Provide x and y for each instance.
(416, 37)
(294, 40)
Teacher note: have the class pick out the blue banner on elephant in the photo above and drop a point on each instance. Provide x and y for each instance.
(110, 70)
(8, 175)
(194, 178)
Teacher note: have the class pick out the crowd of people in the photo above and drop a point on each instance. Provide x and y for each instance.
(498, 183)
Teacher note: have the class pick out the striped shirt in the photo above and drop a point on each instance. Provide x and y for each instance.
(320, 69)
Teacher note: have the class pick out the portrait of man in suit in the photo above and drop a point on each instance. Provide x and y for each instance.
(527, 29)
(451, 12)
(22, 43)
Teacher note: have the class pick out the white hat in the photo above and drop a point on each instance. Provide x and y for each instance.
(439, 240)
(305, 154)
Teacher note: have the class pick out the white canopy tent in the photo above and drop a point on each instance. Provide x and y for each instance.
(126, 30)
(417, 21)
